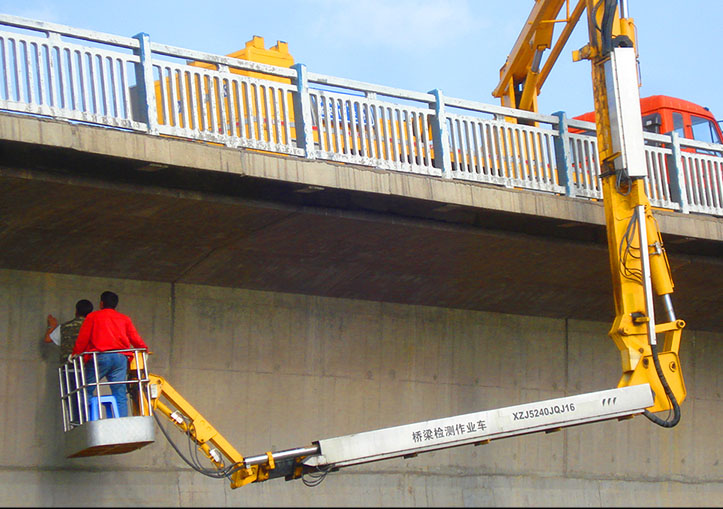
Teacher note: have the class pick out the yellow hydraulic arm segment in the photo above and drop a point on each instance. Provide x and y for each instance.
(638, 261)
(523, 74)
(227, 462)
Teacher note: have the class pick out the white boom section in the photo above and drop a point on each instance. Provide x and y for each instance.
(480, 427)
(626, 125)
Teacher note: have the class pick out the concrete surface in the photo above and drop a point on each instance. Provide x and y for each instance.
(277, 370)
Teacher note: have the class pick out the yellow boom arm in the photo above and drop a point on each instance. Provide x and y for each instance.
(638, 262)
(226, 461)
(523, 74)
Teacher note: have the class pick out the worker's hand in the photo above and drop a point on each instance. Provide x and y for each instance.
(52, 324)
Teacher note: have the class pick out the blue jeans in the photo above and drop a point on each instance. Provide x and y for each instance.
(114, 367)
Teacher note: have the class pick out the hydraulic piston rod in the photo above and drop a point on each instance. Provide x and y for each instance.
(298, 452)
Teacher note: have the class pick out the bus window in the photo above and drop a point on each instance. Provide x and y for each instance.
(704, 130)
(678, 124)
(651, 123)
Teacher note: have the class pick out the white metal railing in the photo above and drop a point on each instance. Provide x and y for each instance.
(657, 185)
(704, 182)
(133, 83)
(499, 152)
(47, 76)
(367, 131)
(219, 106)
(585, 166)
(75, 399)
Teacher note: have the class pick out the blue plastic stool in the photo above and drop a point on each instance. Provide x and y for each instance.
(110, 404)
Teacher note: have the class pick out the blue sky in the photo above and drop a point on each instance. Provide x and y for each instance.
(457, 46)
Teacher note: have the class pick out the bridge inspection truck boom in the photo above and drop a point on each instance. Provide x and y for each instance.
(651, 380)
(638, 262)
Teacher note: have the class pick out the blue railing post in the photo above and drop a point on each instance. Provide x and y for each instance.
(676, 178)
(562, 155)
(303, 123)
(145, 83)
(440, 135)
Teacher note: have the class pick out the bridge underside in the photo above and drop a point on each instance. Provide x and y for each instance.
(65, 210)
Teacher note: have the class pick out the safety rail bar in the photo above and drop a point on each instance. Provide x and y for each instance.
(74, 387)
(136, 84)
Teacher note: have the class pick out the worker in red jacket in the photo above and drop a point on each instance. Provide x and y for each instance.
(104, 330)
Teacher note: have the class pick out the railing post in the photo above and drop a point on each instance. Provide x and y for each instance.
(225, 106)
(562, 155)
(302, 113)
(676, 179)
(440, 135)
(146, 86)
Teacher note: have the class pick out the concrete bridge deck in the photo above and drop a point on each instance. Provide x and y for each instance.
(87, 200)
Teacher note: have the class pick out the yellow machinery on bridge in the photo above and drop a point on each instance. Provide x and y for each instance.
(253, 51)
(651, 381)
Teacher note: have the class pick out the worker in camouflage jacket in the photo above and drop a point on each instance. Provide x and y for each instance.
(64, 335)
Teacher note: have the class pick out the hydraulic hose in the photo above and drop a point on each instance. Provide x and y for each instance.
(194, 464)
(606, 27)
(676, 408)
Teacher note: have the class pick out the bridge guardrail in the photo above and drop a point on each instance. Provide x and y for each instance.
(133, 83)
